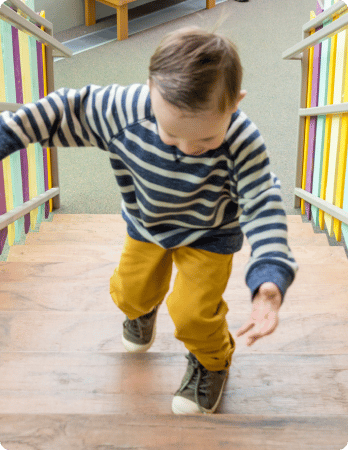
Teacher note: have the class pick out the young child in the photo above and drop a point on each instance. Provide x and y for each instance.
(194, 174)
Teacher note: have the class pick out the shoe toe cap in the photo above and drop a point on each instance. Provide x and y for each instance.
(182, 405)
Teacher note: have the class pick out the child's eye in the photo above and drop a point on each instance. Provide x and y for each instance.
(208, 139)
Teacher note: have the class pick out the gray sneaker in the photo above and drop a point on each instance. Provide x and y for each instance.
(139, 334)
(200, 390)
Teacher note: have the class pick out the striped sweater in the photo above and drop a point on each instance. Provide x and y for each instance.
(170, 198)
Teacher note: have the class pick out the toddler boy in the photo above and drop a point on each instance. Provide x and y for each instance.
(194, 175)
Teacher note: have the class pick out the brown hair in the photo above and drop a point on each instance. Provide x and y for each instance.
(190, 64)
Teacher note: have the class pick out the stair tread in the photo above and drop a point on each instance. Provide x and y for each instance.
(49, 229)
(57, 287)
(109, 247)
(310, 273)
(104, 217)
(76, 331)
(92, 383)
(159, 432)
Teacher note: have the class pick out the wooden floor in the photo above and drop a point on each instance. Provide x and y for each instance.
(66, 382)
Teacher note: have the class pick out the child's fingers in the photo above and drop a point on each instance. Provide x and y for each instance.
(245, 328)
(263, 329)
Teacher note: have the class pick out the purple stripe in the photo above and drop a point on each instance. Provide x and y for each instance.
(17, 66)
(19, 99)
(313, 120)
(47, 204)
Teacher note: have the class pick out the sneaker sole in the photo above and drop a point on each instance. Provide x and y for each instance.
(182, 405)
(132, 347)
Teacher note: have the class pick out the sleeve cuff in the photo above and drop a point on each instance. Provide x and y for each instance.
(276, 273)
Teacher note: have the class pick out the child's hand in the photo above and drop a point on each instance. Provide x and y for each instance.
(264, 315)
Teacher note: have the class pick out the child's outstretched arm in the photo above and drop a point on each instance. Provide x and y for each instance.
(65, 118)
(271, 267)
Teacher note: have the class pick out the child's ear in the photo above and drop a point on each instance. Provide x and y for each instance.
(241, 97)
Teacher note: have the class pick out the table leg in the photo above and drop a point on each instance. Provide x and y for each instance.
(90, 12)
(122, 22)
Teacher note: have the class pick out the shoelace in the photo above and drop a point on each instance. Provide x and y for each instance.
(199, 380)
(136, 326)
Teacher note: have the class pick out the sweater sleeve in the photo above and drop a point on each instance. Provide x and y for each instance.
(65, 118)
(262, 214)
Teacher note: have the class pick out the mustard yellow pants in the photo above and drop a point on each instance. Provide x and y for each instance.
(196, 306)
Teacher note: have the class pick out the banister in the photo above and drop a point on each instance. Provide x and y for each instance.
(318, 36)
(327, 14)
(18, 5)
(325, 206)
(13, 107)
(339, 108)
(22, 24)
(20, 211)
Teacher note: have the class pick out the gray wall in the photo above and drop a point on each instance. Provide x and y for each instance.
(65, 14)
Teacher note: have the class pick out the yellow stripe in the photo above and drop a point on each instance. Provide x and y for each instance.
(44, 61)
(330, 195)
(6, 163)
(307, 123)
(342, 158)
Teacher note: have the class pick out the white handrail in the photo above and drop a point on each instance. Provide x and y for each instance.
(328, 13)
(317, 37)
(13, 107)
(338, 108)
(325, 206)
(22, 24)
(20, 211)
(18, 5)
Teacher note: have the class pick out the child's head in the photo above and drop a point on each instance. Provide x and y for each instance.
(195, 70)
(195, 81)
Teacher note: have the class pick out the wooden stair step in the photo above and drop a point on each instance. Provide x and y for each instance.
(303, 253)
(98, 228)
(122, 383)
(83, 244)
(108, 230)
(165, 432)
(102, 332)
(56, 287)
(291, 218)
(118, 222)
(86, 275)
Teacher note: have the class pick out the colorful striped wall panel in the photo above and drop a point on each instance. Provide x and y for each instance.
(321, 120)
(25, 174)
(340, 65)
(312, 101)
(324, 169)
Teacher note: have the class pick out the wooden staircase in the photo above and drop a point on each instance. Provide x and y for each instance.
(67, 383)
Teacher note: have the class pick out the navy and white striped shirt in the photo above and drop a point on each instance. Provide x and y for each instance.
(170, 198)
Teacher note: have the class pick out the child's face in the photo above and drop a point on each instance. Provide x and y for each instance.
(192, 133)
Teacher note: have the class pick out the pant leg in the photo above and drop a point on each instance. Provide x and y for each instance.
(197, 307)
(142, 279)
